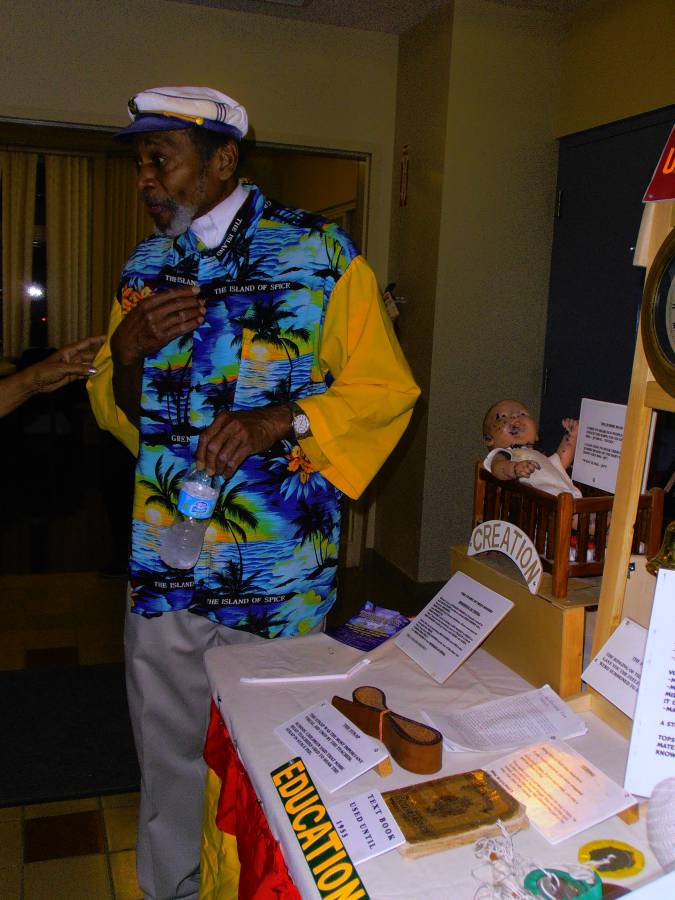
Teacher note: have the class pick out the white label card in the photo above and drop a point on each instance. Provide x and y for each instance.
(334, 750)
(615, 671)
(562, 791)
(651, 756)
(452, 625)
(596, 461)
(366, 826)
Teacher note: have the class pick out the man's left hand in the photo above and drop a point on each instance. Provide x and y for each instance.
(232, 436)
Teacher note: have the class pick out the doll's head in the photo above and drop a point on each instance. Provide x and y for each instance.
(509, 423)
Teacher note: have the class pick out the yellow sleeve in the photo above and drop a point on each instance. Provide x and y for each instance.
(358, 421)
(108, 415)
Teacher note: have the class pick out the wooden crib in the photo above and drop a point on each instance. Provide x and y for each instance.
(548, 521)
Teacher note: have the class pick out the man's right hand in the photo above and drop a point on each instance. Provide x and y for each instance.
(154, 322)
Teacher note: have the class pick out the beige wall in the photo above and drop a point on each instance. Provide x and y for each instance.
(474, 251)
(518, 78)
(618, 61)
(80, 60)
(422, 105)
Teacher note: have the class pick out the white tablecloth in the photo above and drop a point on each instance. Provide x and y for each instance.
(251, 712)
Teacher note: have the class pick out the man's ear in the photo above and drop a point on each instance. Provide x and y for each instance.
(227, 159)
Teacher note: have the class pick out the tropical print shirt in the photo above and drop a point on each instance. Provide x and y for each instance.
(268, 563)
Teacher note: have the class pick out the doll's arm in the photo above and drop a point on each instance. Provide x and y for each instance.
(508, 469)
(569, 442)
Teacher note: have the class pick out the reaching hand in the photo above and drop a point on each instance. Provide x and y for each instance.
(232, 436)
(154, 322)
(71, 362)
(571, 426)
(68, 364)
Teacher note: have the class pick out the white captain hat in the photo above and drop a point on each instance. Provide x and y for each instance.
(173, 108)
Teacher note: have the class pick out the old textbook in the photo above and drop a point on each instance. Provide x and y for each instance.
(457, 809)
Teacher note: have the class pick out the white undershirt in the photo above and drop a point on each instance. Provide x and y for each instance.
(212, 227)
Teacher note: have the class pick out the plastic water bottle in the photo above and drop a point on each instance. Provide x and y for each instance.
(183, 541)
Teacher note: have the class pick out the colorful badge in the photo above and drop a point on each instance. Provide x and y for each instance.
(612, 859)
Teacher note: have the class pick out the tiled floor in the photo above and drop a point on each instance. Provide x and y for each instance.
(84, 849)
(75, 850)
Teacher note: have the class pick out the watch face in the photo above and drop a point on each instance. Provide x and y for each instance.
(300, 425)
(658, 316)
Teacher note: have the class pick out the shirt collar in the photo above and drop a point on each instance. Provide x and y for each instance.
(211, 228)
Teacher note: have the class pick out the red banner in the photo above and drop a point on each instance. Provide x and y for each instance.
(662, 185)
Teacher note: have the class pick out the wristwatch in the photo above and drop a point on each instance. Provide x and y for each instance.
(300, 422)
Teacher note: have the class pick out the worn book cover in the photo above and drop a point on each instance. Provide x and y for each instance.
(454, 810)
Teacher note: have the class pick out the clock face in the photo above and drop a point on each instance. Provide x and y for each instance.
(658, 316)
(664, 313)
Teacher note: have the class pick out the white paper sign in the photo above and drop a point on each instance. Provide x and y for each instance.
(508, 722)
(452, 625)
(562, 791)
(615, 671)
(334, 750)
(366, 826)
(599, 440)
(651, 756)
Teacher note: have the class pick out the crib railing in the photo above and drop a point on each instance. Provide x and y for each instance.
(570, 535)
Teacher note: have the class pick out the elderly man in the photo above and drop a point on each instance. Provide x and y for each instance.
(250, 338)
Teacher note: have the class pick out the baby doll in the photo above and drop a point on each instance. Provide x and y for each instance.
(510, 433)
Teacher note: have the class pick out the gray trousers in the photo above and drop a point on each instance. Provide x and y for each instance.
(169, 700)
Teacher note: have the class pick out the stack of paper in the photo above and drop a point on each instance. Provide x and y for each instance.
(509, 722)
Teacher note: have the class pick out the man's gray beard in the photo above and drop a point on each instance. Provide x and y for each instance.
(181, 219)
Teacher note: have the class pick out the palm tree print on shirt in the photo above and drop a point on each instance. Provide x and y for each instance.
(234, 517)
(314, 525)
(330, 268)
(265, 321)
(164, 488)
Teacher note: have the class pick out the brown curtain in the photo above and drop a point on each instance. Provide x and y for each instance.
(68, 235)
(18, 173)
(120, 222)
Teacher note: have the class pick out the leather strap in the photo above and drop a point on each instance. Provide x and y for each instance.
(415, 746)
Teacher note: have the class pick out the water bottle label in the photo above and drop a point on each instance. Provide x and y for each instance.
(195, 507)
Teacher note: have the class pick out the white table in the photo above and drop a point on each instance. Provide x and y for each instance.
(251, 712)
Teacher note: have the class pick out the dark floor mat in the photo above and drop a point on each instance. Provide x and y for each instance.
(65, 734)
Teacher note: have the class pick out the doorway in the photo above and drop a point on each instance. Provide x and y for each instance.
(595, 290)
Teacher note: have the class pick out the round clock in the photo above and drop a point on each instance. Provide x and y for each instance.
(658, 316)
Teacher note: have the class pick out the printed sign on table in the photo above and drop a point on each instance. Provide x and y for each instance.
(334, 750)
(651, 756)
(331, 868)
(452, 625)
(563, 792)
(366, 826)
(615, 671)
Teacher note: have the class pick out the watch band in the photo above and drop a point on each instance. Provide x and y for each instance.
(300, 422)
